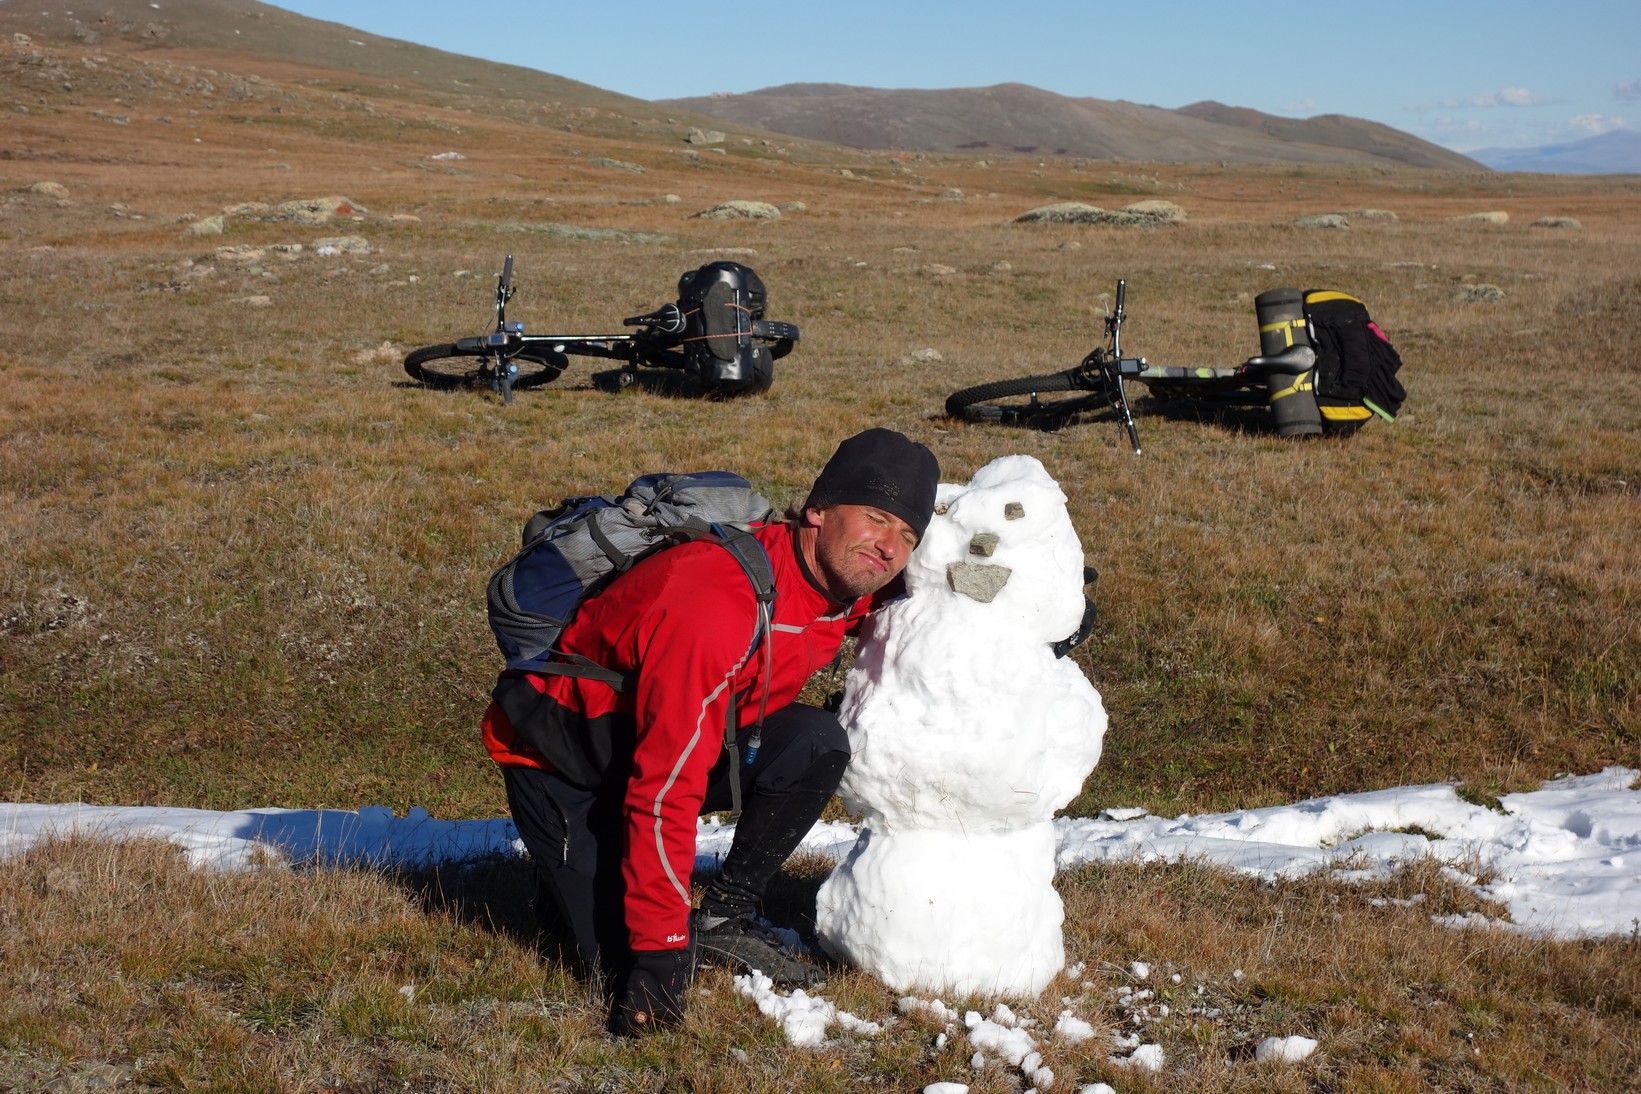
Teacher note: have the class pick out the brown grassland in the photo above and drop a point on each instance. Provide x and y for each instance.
(242, 564)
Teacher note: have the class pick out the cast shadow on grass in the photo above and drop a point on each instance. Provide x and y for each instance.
(664, 382)
(1228, 418)
(667, 382)
(494, 893)
(497, 894)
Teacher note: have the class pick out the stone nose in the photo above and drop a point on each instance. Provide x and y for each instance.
(980, 581)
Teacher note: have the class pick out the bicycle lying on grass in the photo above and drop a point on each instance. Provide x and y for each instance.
(1097, 384)
(715, 334)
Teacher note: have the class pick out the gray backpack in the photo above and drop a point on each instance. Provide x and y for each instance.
(574, 550)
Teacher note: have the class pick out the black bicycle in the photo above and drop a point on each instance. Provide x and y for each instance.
(1097, 384)
(716, 333)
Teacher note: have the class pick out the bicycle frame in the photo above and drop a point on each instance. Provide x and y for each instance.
(719, 337)
(509, 339)
(1104, 374)
(1113, 368)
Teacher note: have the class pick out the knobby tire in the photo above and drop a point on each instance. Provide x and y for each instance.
(999, 401)
(445, 366)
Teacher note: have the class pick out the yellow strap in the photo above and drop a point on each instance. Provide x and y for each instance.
(1302, 382)
(1346, 413)
(1322, 296)
(1286, 327)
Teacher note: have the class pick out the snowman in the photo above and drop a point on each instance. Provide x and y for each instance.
(968, 734)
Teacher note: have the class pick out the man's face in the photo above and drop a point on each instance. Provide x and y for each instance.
(858, 549)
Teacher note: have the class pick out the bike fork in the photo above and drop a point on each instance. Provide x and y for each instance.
(502, 381)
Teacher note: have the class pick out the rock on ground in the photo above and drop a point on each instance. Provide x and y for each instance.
(1065, 212)
(352, 245)
(1323, 220)
(1557, 222)
(1141, 214)
(740, 210)
(1494, 217)
(1156, 207)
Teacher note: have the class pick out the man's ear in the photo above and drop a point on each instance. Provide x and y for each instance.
(811, 517)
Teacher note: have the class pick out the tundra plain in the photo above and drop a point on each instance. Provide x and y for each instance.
(242, 558)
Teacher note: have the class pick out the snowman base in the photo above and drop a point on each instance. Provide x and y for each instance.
(948, 912)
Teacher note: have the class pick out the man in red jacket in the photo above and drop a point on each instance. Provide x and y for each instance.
(605, 786)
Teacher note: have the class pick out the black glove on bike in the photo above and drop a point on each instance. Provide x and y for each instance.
(654, 992)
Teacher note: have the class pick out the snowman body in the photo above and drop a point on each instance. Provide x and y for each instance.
(968, 734)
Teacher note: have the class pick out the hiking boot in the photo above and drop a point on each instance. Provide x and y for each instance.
(745, 945)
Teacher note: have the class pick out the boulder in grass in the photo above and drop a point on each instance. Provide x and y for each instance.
(1495, 217)
(342, 245)
(1557, 222)
(740, 210)
(317, 211)
(1141, 214)
(1156, 208)
(1065, 212)
(619, 165)
(1480, 294)
(1323, 220)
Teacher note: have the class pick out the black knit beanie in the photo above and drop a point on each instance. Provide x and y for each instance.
(884, 469)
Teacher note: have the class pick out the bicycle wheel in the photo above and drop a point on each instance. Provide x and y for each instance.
(447, 366)
(1001, 401)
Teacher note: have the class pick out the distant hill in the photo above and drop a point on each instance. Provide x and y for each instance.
(1615, 153)
(261, 30)
(1020, 118)
(250, 37)
(255, 37)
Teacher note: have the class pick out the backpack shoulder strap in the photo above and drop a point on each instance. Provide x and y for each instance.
(749, 551)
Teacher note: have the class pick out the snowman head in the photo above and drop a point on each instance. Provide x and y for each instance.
(1003, 549)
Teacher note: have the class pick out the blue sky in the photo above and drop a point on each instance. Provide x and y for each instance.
(1463, 74)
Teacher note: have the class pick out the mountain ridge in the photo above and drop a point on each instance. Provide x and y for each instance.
(1614, 153)
(1006, 118)
(1017, 117)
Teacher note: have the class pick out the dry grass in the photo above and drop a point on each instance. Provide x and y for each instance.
(121, 965)
(242, 561)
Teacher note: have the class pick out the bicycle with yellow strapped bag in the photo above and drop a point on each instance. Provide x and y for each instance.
(1323, 367)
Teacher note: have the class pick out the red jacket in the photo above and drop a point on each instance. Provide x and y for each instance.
(680, 622)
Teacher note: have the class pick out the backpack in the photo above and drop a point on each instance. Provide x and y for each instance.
(575, 549)
(723, 305)
(1355, 362)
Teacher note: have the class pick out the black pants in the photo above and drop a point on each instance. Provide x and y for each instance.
(575, 835)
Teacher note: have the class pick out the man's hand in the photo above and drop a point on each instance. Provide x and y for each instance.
(654, 992)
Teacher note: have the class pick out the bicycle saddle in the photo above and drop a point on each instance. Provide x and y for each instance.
(667, 319)
(1293, 360)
